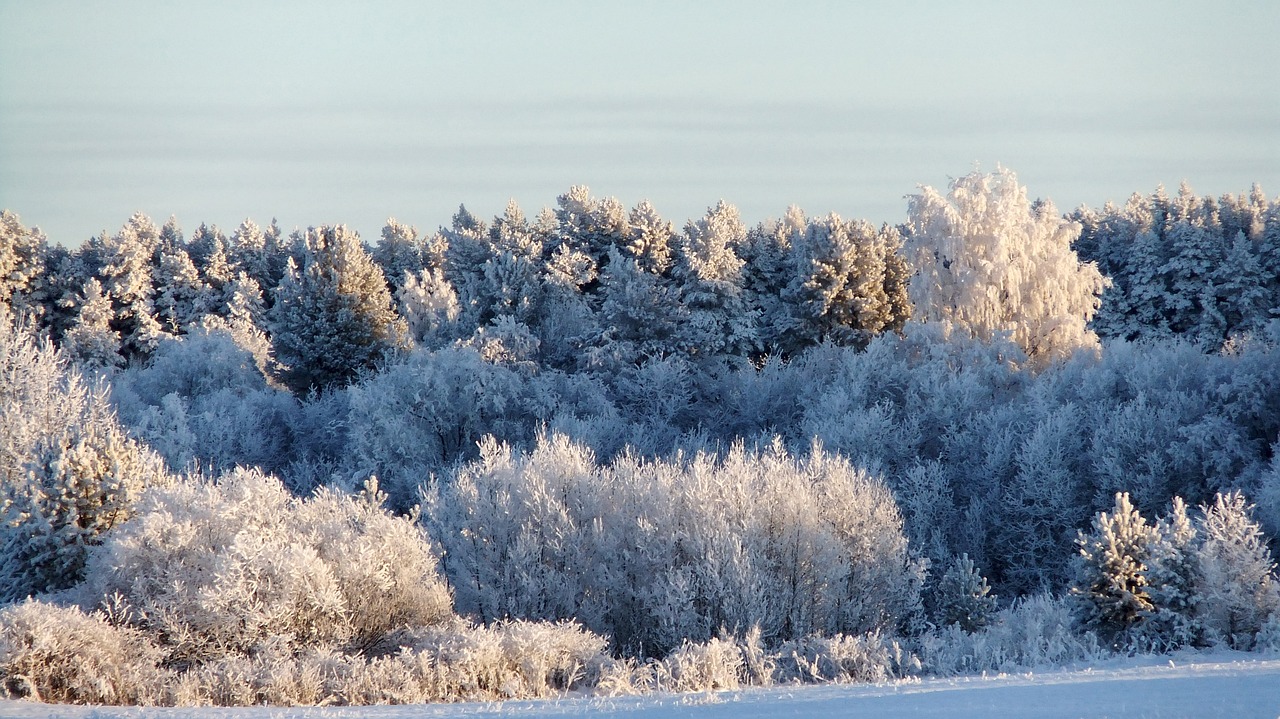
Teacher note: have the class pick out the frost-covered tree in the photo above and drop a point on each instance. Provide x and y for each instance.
(91, 342)
(1171, 577)
(180, 293)
(709, 274)
(333, 317)
(126, 273)
(1111, 583)
(22, 262)
(657, 552)
(593, 226)
(848, 283)
(991, 262)
(962, 597)
(651, 240)
(1235, 580)
(640, 316)
(429, 307)
(401, 253)
(68, 472)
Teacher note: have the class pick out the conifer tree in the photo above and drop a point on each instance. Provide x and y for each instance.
(126, 273)
(963, 597)
(333, 317)
(709, 273)
(1171, 582)
(22, 262)
(400, 254)
(68, 471)
(90, 342)
(1235, 575)
(1111, 584)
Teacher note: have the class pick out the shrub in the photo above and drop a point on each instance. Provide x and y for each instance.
(60, 654)
(654, 553)
(222, 567)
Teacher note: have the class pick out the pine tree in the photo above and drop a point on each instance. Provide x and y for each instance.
(709, 274)
(1171, 583)
(1235, 579)
(68, 471)
(126, 273)
(90, 342)
(651, 239)
(180, 293)
(333, 317)
(989, 262)
(963, 597)
(400, 254)
(22, 262)
(842, 282)
(1111, 585)
(430, 308)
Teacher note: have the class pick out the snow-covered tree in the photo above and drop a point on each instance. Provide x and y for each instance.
(180, 293)
(68, 472)
(658, 552)
(709, 273)
(844, 288)
(1111, 583)
(22, 262)
(429, 307)
(333, 317)
(651, 240)
(126, 273)
(91, 342)
(1171, 577)
(991, 262)
(400, 253)
(963, 597)
(1235, 582)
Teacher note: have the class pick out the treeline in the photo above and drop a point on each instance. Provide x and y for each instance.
(812, 448)
(1185, 266)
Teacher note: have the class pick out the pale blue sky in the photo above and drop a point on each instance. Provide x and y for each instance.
(318, 112)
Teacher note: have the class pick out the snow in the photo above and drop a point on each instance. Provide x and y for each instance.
(1233, 685)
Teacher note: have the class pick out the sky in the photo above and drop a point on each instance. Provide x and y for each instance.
(324, 112)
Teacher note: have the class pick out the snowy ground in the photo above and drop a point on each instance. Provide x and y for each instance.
(1236, 686)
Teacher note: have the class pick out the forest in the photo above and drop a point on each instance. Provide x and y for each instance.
(591, 450)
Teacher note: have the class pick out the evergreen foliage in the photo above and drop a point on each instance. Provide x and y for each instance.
(333, 318)
(963, 598)
(1111, 582)
(68, 471)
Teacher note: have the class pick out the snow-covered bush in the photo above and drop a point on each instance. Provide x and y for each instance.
(1035, 631)
(448, 662)
(654, 553)
(842, 659)
(60, 654)
(216, 568)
